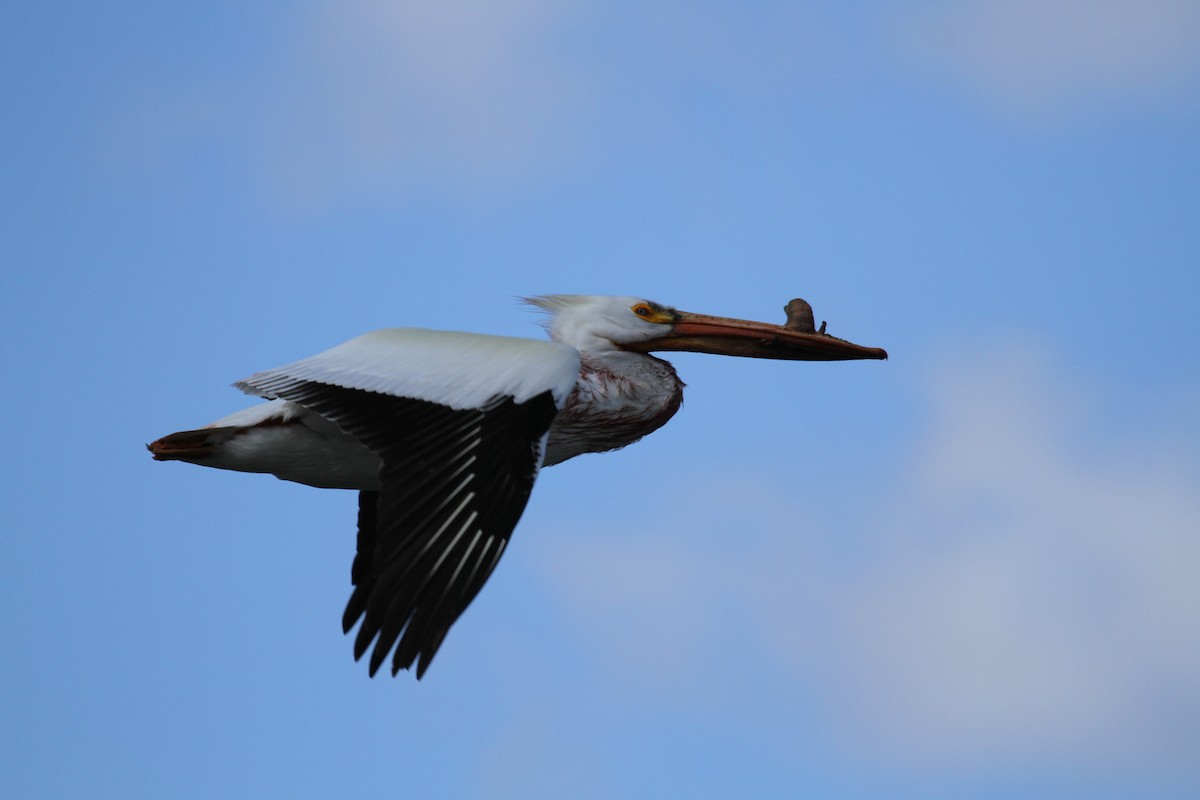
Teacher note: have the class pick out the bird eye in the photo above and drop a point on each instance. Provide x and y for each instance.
(642, 310)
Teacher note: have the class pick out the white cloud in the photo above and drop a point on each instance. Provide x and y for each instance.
(1026, 594)
(1043, 58)
(450, 92)
(1040, 596)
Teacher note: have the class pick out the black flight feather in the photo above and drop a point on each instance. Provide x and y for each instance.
(453, 484)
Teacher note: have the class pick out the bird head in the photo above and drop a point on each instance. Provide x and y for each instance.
(600, 323)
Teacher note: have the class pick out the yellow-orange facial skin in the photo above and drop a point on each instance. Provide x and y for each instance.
(652, 313)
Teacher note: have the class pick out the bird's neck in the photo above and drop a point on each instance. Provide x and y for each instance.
(619, 398)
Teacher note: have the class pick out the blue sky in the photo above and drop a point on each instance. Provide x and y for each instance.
(969, 571)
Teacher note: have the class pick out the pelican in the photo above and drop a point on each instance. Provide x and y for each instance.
(443, 433)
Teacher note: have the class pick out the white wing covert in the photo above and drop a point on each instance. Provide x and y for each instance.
(454, 369)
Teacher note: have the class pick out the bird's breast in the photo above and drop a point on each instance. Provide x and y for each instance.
(614, 405)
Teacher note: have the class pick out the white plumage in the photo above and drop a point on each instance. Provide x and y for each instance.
(443, 434)
(457, 370)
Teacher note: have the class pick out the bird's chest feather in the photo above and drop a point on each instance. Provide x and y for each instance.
(614, 404)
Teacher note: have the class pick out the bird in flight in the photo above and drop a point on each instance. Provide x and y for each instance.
(443, 433)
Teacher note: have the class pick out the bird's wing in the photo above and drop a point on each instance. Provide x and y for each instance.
(457, 370)
(459, 422)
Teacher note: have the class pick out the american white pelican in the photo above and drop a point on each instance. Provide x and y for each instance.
(443, 434)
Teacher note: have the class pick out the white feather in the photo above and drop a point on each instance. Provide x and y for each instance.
(458, 370)
(595, 323)
(274, 411)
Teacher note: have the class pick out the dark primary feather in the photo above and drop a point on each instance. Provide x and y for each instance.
(453, 485)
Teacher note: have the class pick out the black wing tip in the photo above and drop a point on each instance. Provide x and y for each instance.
(354, 612)
(401, 660)
(378, 656)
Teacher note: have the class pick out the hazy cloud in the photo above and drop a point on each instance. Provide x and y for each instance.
(1027, 595)
(1038, 598)
(1043, 59)
(457, 92)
